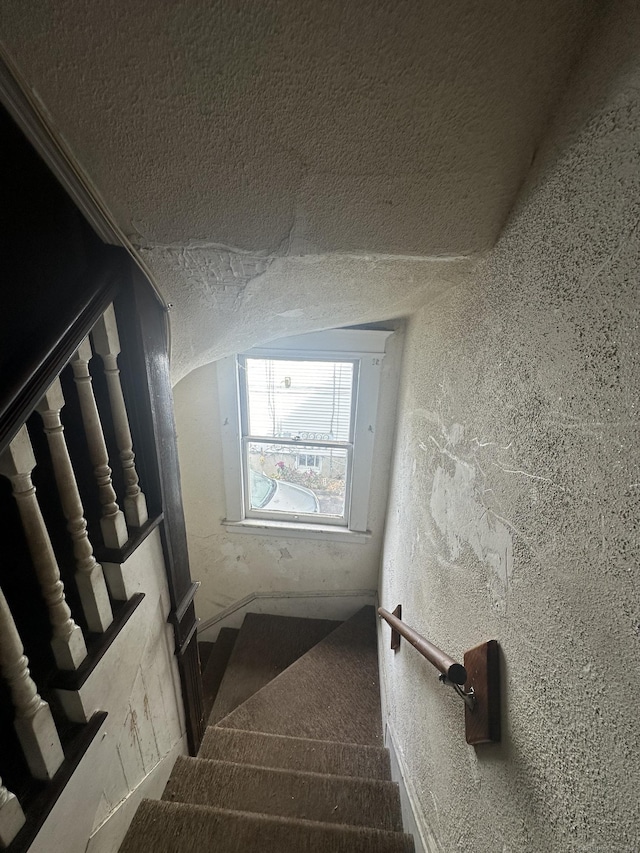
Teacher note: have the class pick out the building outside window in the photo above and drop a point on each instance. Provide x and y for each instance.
(309, 462)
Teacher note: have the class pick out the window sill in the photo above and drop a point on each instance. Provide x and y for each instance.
(296, 531)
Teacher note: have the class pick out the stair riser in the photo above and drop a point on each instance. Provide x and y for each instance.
(295, 753)
(177, 828)
(308, 796)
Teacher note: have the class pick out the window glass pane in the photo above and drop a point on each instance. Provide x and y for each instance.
(299, 399)
(308, 460)
(278, 483)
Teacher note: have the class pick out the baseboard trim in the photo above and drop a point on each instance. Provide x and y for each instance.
(413, 818)
(337, 604)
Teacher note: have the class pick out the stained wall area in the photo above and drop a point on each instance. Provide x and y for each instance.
(515, 496)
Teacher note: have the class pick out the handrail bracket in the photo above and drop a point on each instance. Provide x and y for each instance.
(481, 672)
(469, 697)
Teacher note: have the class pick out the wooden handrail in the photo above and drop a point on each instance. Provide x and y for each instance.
(453, 671)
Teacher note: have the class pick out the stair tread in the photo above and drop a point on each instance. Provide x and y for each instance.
(265, 647)
(330, 693)
(289, 793)
(166, 827)
(298, 765)
(321, 756)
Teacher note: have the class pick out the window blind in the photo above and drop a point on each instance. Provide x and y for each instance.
(300, 399)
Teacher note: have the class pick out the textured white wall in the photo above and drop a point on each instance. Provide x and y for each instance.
(233, 565)
(516, 495)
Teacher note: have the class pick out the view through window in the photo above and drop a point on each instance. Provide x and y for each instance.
(297, 427)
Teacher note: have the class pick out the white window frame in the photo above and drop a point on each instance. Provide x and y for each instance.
(367, 347)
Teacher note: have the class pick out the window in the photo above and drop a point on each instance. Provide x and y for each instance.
(298, 427)
(310, 461)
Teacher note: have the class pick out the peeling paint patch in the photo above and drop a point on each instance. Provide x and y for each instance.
(464, 520)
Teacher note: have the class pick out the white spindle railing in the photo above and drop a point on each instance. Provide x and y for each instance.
(11, 816)
(89, 577)
(16, 463)
(33, 722)
(112, 523)
(106, 343)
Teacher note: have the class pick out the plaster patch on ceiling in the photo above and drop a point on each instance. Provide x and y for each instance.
(213, 277)
(212, 317)
(209, 270)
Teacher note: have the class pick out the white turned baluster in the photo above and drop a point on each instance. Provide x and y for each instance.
(112, 523)
(16, 463)
(107, 344)
(89, 577)
(11, 816)
(33, 721)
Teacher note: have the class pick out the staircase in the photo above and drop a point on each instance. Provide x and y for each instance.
(292, 759)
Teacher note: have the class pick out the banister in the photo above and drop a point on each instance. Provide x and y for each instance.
(481, 674)
(453, 672)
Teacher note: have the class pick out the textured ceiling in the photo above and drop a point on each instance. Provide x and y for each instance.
(222, 135)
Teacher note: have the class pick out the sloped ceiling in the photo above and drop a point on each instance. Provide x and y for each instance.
(245, 143)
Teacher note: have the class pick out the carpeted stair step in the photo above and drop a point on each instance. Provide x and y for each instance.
(297, 766)
(164, 827)
(291, 753)
(330, 693)
(287, 793)
(215, 667)
(265, 647)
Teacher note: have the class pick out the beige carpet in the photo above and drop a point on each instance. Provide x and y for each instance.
(161, 827)
(296, 765)
(266, 646)
(330, 693)
(316, 756)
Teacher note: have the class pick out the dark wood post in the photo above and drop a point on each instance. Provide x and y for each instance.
(142, 319)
